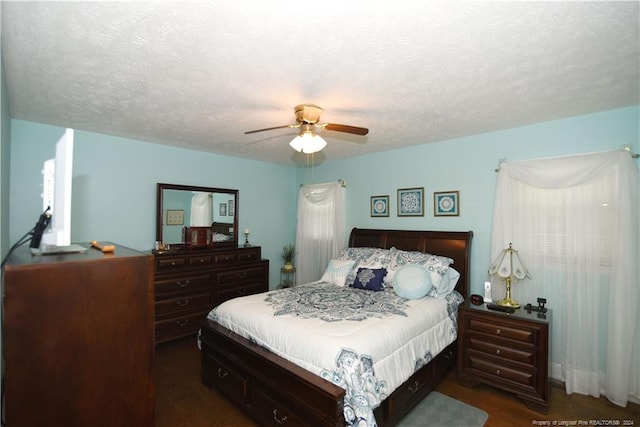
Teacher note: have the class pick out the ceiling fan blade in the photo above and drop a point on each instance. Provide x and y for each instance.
(346, 128)
(275, 127)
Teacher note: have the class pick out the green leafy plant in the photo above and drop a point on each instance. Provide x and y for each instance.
(288, 253)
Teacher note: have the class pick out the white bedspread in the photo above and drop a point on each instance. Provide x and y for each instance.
(381, 342)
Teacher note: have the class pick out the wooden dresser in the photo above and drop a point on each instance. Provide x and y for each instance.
(78, 339)
(507, 351)
(189, 283)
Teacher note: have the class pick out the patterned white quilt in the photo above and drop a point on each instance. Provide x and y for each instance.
(367, 342)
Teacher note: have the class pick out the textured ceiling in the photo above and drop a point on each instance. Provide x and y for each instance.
(199, 74)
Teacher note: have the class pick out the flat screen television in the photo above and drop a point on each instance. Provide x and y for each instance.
(56, 201)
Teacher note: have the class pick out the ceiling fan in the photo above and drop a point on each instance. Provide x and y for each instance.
(307, 116)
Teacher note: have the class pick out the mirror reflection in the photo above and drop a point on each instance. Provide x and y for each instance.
(196, 216)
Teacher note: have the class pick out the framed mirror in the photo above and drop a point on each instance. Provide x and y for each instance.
(213, 211)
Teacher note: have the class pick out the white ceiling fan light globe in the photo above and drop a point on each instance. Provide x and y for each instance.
(308, 143)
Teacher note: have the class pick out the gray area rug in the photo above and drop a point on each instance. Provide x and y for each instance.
(438, 410)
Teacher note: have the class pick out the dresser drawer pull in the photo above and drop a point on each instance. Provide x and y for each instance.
(498, 372)
(201, 261)
(226, 258)
(242, 275)
(414, 388)
(182, 322)
(182, 303)
(241, 292)
(183, 284)
(222, 373)
(497, 351)
(281, 420)
(498, 331)
(173, 263)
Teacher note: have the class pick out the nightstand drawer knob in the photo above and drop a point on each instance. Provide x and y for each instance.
(498, 331)
(498, 351)
(497, 371)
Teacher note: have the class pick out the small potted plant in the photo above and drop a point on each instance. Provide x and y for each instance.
(288, 254)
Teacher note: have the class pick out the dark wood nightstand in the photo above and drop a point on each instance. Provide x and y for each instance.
(507, 351)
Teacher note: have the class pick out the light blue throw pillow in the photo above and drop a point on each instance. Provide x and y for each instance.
(412, 281)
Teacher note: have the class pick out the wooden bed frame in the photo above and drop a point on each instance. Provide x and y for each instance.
(275, 391)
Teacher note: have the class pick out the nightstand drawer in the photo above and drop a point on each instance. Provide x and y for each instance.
(502, 330)
(508, 353)
(502, 372)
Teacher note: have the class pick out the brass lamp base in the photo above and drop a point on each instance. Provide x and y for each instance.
(508, 302)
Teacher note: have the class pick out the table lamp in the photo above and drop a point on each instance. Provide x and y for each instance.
(508, 266)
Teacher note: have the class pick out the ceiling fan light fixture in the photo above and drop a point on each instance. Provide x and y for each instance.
(308, 143)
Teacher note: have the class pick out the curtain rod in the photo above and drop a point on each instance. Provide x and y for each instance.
(628, 148)
(342, 183)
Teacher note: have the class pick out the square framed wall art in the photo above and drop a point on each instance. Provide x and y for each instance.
(175, 217)
(411, 201)
(380, 206)
(446, 203)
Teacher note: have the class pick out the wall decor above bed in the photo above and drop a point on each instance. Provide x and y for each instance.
(411, 201)
(379, 206)
(446, 203)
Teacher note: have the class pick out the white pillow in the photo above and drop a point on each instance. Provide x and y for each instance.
(447, 284)
(412, 281)
(337, 271)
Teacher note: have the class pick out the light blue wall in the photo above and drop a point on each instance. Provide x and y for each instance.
(115, 178)
(114, 188)
(5, 145)
(468, 165)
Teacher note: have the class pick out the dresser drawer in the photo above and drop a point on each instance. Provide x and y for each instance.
(179, 326)
(227, 293)
(225, 258)
(498, 350)
(184, 284)
(502, 330)
(203, 260)
(249, 254)
(246, 274)
(166, 264)
(183, 304)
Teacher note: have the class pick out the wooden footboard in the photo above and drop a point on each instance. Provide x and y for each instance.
(269, 388)
(276, 392)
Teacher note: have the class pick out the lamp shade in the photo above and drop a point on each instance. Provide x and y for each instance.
(308, 143)
(509, 264)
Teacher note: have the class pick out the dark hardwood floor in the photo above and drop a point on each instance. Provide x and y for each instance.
(182, 400)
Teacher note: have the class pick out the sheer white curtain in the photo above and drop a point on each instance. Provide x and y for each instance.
(576, 225)
(201, 209)
(320, 233)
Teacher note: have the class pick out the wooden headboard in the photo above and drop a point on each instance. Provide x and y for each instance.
(452, 244)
